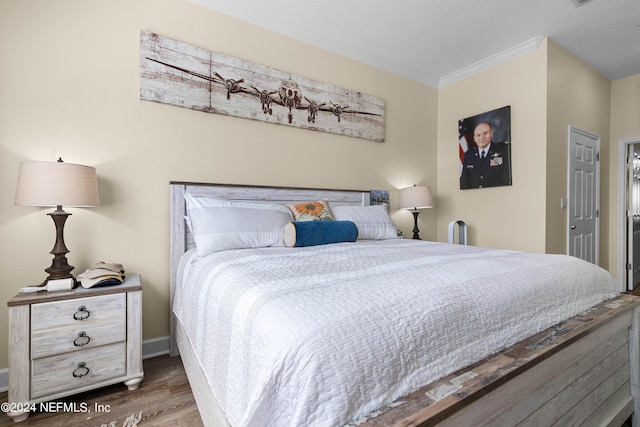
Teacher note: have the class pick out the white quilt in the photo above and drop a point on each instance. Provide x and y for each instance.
(323, 335)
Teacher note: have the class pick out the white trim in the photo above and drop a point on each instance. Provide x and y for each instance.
(497, 59)
(155, 347)
(621, 272)
(4, 380)
(333, 43)
(150, 348)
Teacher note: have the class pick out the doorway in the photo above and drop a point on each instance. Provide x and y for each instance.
(584, 195)
(628, 270)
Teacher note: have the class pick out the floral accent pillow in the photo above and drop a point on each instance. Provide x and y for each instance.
(311, 211)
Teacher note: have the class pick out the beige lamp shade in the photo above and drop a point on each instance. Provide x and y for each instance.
(56, 184)
(416, 197)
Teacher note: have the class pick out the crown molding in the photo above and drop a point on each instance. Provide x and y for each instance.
(493, 60)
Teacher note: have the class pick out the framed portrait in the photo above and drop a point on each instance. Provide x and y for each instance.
(484, 149)
(379, 197)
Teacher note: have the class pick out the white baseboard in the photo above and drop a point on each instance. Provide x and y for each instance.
(4, 380)
(155, 347)
(150, 348)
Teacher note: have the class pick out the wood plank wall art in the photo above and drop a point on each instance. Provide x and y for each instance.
(176, 73)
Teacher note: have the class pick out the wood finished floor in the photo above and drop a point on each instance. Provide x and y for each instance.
(164, 397)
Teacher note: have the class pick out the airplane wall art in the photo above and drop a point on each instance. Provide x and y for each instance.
(176, 73)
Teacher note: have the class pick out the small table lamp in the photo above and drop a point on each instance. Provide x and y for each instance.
(416, 197)
(57, 184)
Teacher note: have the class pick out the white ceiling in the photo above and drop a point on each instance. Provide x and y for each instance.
(437, 42)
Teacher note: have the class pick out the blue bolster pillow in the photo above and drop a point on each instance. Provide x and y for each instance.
(312, 233)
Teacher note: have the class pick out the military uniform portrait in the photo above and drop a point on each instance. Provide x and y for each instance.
(484, 149)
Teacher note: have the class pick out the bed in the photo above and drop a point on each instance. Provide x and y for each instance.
(374, 351)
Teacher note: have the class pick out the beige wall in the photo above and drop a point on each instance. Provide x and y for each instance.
(502, 217)
(548, 90)
(69, 86)
(577, 96)
(625, 109)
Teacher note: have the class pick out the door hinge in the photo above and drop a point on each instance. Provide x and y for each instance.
(597, 156)
(597, 213)
(629, 266)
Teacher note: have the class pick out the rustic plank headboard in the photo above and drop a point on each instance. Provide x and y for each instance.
(180, 239)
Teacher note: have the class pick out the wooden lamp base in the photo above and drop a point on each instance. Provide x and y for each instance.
(416, 232)
(60, 268)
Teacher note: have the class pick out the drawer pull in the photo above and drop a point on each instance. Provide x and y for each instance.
(82, 339)
(81, 370)
(82, 313)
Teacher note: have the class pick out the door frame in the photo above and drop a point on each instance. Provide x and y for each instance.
(570, 201)
(621, 270)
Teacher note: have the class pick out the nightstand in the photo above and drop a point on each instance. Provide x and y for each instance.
(67, 342)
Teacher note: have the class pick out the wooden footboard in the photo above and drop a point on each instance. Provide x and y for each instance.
(581, 372)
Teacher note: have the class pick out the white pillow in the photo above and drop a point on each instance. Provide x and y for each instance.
(373, 222)
(219, 224)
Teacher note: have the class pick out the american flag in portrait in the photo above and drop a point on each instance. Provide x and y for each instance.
(463, 145)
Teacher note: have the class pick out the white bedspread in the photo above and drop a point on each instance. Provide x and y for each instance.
(320, 336)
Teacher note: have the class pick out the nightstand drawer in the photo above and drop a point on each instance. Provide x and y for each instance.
(48, 342)
(79, 311)
(76, 370)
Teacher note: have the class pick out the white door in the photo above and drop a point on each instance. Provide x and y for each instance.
(584, 195)
(625, 196)
(633, 215)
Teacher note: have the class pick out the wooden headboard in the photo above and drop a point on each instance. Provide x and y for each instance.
(180, 239)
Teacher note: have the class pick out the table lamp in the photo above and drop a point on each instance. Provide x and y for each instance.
(416, 197)
(57, 184)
